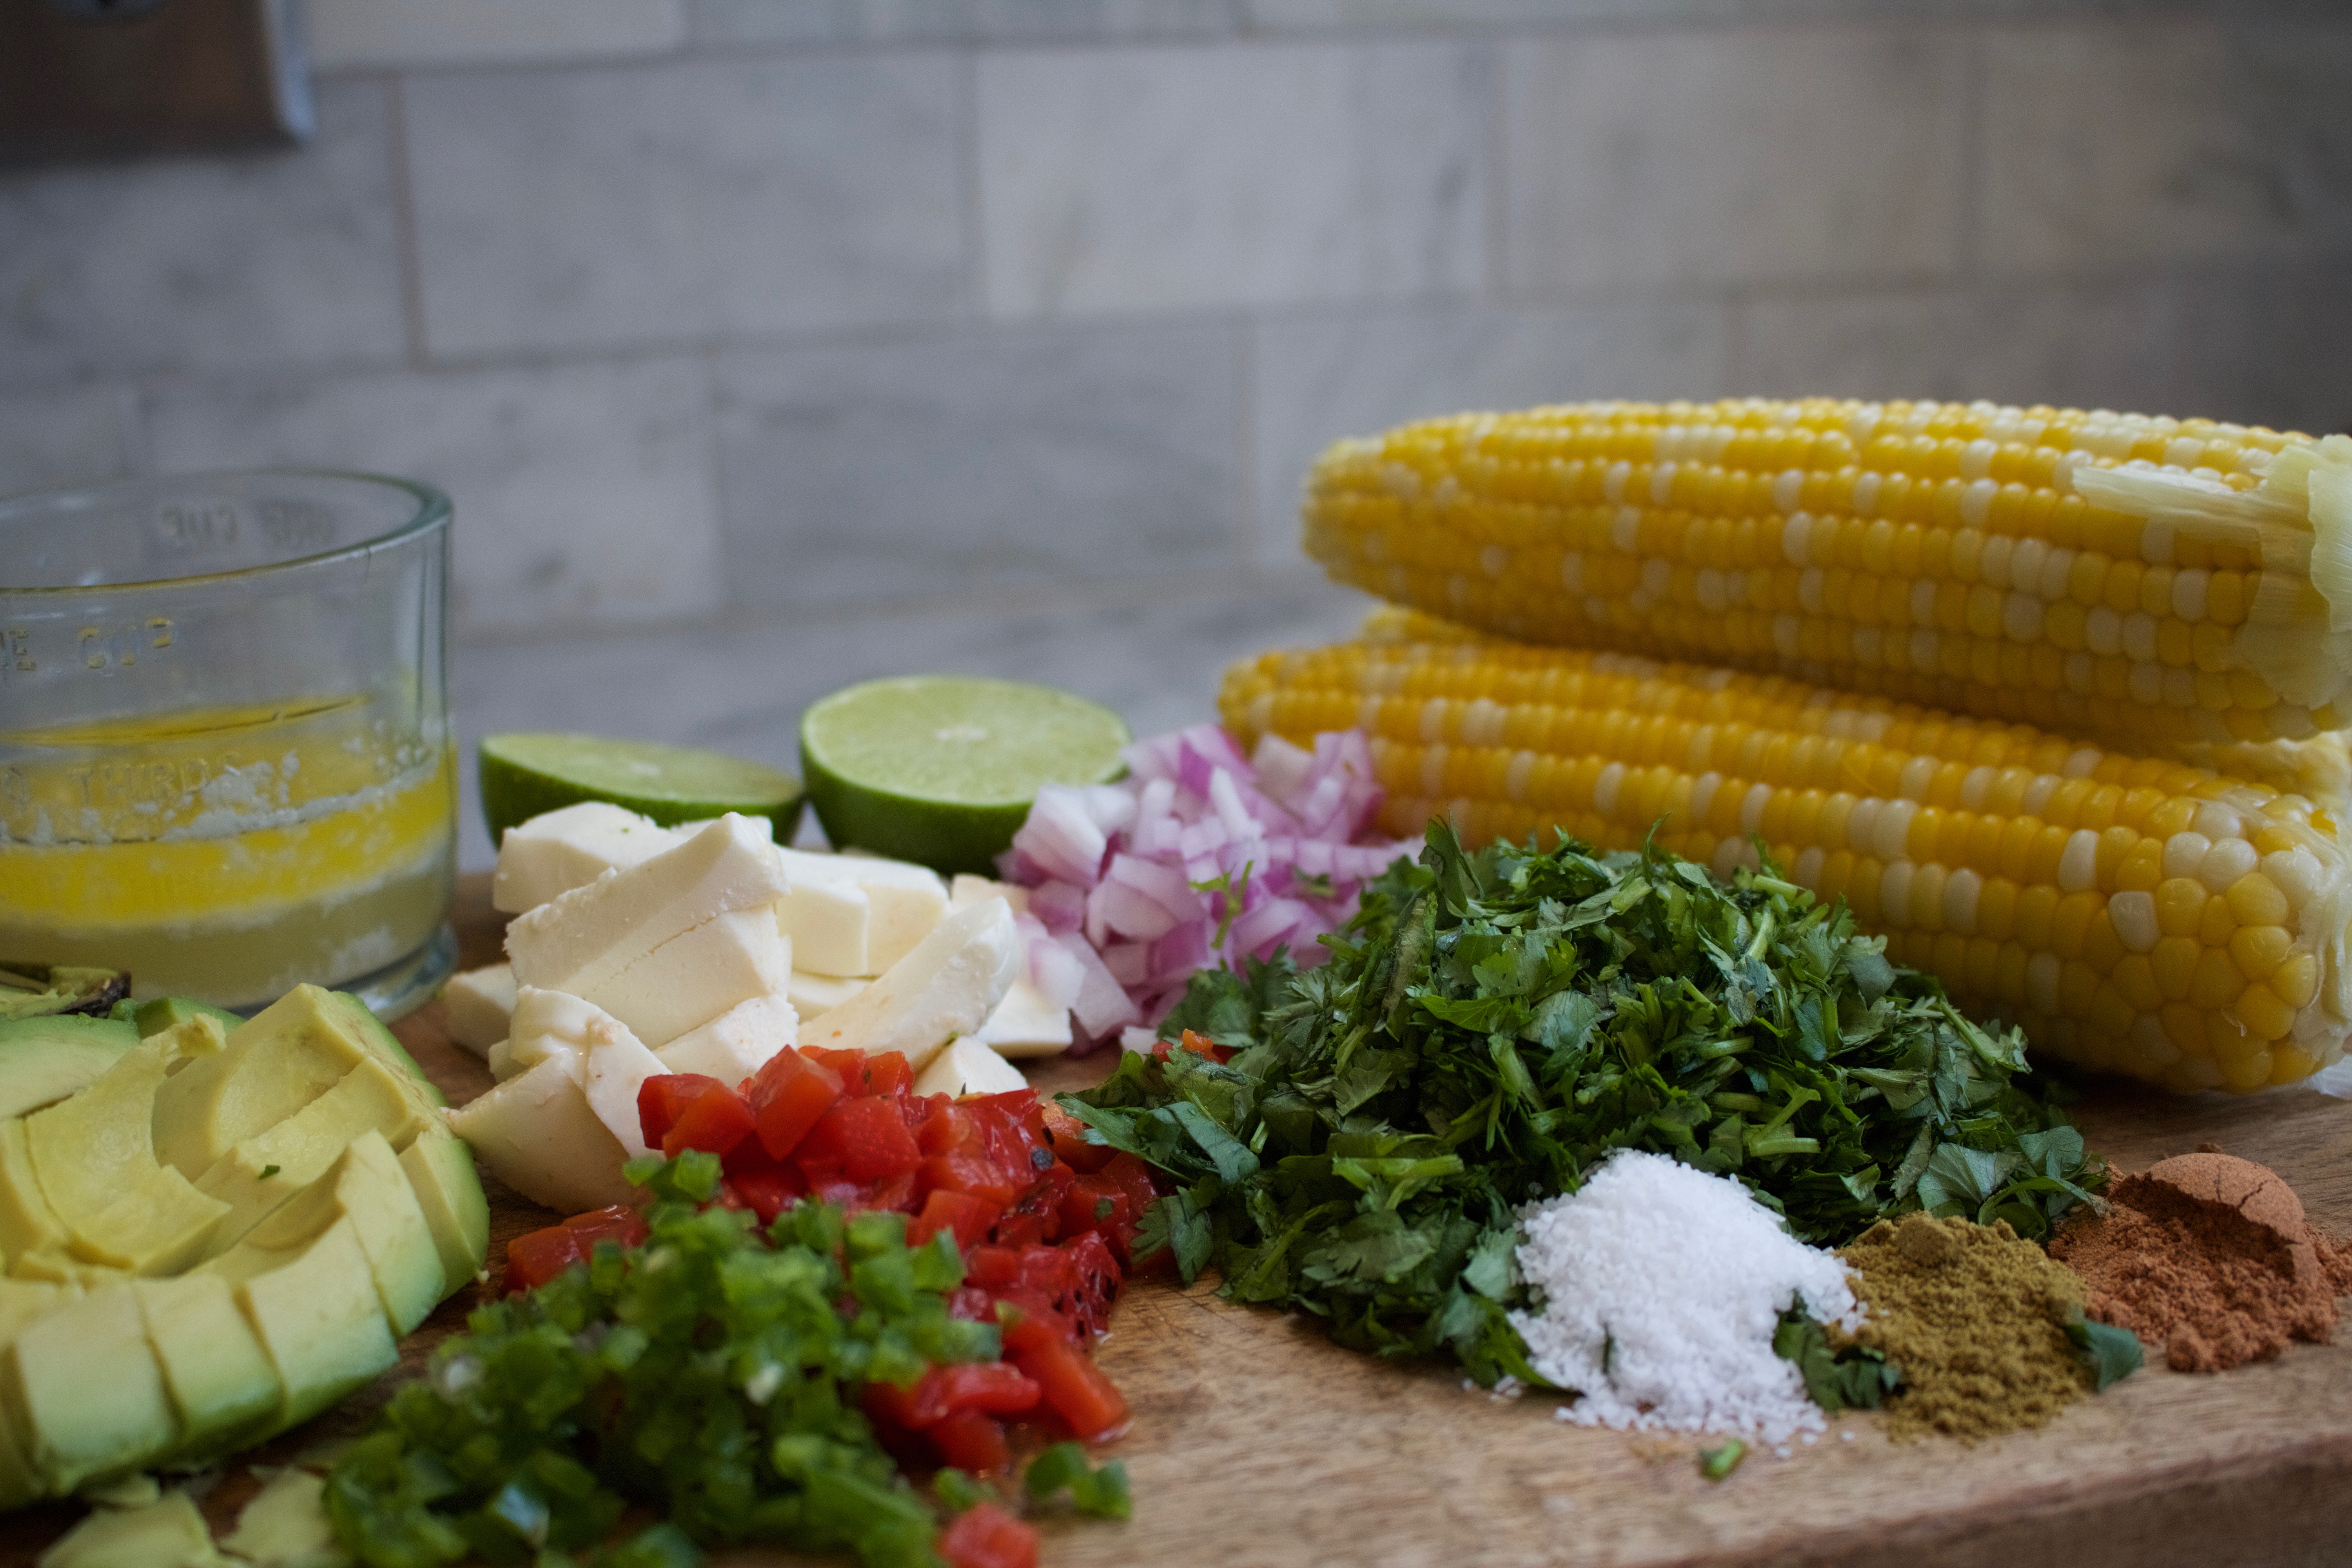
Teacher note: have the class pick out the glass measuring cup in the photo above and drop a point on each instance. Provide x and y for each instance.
(224, 752)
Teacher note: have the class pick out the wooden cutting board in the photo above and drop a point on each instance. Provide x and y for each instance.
(1255, 1441)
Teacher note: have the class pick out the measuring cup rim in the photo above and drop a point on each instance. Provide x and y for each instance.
(433, 510)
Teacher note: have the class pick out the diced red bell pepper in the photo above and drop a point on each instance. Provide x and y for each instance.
(771, 1192)
(617, 1223)
(895, 1192)
(1028, 1319)
(704, 1115)
(1073, 1387)
(1045, 1271)
(967, 1217)
(971, 1442)
(1020, 1228)
(864, 1138)
(1065, 1135)
(789, 1095)
(890, 1074)
(955, 1129)
(989, 1386)
(985, 1536)
(1198, 1043)
(992, 1267)
(1096, 1205)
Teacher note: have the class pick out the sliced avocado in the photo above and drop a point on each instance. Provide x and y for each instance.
(27, 1225)
(167, 1533)
(223, 1389)
(20, 1303)
(44, 1059)
(275, 1063)
(94, 1156)
(440, 1168)
(286, 1525)
(315, 1311)
(155, 1016)
(63, 1268)
(271, 1167)
(58, 990)
(368, 1187)
(85, 1384)
(368, 1029)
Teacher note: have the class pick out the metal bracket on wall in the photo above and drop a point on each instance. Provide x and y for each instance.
(87, 79)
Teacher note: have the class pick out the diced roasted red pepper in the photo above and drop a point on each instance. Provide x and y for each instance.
(662, 1098)
(896, 1193)
(967, 1217)
(617, 1223)
(539, 1255)
(985, 1536)
(1065, 1135)
(1029, 1319)
(992, 1267)
(1073, 1387)
(1096, 1205)
(704, 1114)
(769, 1193)
(864, 1138)
(973, 1173)
(887, 1074)
(971, 1442)
(1093, 1282)
(788, 1097)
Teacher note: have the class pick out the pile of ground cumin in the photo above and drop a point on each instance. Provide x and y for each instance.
(2208, 1258)
(1975, 1316)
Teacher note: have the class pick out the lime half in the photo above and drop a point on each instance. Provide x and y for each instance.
(940, 769)
(525, 775)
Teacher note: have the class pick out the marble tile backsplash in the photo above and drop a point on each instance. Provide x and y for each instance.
(763, 344)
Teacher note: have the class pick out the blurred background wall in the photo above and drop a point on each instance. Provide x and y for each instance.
(766, 344)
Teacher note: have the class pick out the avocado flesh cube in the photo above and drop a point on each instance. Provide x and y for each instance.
(368, 1187)
(268, 1169)
(86, 1385)
(27, 1225)
(222, 1387)
(154, 1018)
(440, 1170)
(42, 1060)
(315, 1311)
(94, 1157)
(275, 1063)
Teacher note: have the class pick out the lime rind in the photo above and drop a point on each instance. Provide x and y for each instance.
(526, 774)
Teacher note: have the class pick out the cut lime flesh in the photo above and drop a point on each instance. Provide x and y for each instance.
(524, 774)
(941, 769)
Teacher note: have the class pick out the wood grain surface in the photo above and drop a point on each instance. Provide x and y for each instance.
(1255, 1441)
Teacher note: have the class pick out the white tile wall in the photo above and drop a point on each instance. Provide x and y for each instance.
(865, 473)
(1230, 175)
(75, 436)
(2110, 145)
(1322, 377)
(343, 34)
(830, 21)
(1720, 156)
(582, 492)
(206, 264)
(684, 201)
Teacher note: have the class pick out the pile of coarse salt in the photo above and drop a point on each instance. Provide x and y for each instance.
(1660, 1287)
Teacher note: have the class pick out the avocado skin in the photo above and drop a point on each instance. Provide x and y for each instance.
(155, 1016)
(44, 1059)
(67, 990)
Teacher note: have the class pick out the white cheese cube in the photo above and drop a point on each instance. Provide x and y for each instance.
(1026, 1024)
(829, 923)
(538, 1136)
(591, 935)
(618, 1064)
(968, 1067)
(813, 995)
(964, 889)
(736, 1044)
(945, 988)
(691, 979)
(478, 1002)
(547, 1026)
(905, 901)
(557, 851)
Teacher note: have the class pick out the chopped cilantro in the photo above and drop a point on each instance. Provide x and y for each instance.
(2109, 1352)
(268, 1171)
(1854, 1378)
(1717, 1463)
(1491, 1026)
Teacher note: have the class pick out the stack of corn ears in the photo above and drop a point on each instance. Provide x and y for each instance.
(2048, 696)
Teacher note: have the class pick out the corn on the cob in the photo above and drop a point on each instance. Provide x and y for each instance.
(2175, 587)
(2131, 913)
